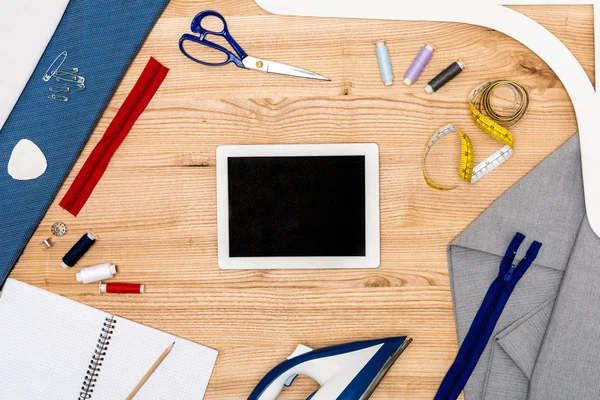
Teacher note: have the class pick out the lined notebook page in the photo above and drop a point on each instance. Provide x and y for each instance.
(134, 348)
(46, 343)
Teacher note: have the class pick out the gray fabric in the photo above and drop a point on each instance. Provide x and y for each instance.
(502, 369)
(472, 273)
(523, 339)
(568, 365)
(546, 344)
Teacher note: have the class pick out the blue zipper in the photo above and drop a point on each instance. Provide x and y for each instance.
(486, 318)
(509, 274)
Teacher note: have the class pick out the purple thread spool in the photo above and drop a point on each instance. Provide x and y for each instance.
(419, 64)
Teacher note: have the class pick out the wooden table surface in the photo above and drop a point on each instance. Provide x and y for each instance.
(155, 207)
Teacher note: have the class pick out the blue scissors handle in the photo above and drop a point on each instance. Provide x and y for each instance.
(197, 28)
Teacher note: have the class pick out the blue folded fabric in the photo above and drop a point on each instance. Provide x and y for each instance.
(101, 38)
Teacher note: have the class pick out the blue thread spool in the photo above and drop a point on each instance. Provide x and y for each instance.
(79, 249)
(385, 66)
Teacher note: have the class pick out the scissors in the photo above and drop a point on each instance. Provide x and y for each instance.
(241, 59)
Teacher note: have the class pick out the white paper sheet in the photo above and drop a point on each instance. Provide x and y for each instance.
(47, 343)
(26, 27)
(510, 22)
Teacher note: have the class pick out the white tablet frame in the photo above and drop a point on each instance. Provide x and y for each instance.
(372, 231)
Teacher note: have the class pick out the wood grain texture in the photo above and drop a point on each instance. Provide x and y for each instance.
(155, 208)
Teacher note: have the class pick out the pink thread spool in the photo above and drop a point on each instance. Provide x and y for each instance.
(419, 64)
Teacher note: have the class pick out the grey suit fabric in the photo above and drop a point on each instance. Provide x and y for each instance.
(546, 345)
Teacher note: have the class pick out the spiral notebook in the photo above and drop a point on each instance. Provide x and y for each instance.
(56, 348)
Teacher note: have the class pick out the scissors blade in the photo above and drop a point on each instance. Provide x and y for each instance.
(278, 68)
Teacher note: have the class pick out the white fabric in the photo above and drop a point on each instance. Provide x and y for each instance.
(26, 27)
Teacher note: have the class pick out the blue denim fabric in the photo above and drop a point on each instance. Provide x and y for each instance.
(101, 37)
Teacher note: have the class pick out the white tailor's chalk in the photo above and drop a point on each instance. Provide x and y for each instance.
(27, 161)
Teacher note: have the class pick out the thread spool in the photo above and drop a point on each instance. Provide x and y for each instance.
(385, 65)
(79, 249)
(445, 76)
(121, 288)
(96, 273)
(419, 64)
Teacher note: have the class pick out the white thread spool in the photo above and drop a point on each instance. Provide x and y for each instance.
(96, 273)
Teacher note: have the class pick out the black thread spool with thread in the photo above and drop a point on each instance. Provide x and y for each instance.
(445, 76)
(79, 249)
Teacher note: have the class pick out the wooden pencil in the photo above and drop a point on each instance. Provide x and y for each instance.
(150, 371)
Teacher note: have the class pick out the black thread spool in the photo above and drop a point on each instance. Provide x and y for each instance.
(445, 76)
(79, 249)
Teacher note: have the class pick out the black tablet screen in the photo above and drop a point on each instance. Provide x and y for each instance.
(296, 206)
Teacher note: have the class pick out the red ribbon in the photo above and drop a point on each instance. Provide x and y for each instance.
(136, 102)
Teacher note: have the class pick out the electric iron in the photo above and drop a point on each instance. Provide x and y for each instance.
(345, 372)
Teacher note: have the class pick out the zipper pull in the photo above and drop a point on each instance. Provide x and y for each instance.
(510, 272)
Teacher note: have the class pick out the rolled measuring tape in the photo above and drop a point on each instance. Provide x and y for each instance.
(488, 120)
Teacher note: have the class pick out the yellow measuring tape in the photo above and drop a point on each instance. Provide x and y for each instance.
(491, 122)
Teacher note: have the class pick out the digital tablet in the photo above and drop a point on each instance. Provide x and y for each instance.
(298, 206)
